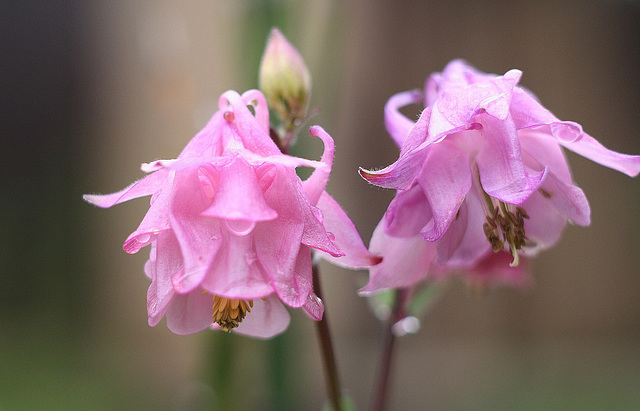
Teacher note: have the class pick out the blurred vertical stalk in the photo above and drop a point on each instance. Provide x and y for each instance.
(326, 346)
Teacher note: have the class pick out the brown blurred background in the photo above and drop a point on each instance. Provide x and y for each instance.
(91, 89)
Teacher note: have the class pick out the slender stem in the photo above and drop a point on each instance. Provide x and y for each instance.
(328, 357)
(385, 367)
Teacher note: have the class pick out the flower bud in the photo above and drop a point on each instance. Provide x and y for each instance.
(285, 80)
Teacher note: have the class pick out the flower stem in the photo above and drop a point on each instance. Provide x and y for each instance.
(385, 366)
(328, 357)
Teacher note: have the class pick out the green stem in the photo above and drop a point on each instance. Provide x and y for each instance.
(326, 346)
(385, 367)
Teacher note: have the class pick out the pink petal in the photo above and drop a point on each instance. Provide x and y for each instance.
(246, 127)
(464, 243)
(540, 150)
(544, 226)
(446, 180)
(257, 100)
(168, 262)
(405, 261)
(199, 236)
(408, 213)
(144, 187)
(501, 166)
(568, 199)
(495, 270)
(346, 236)
(155, 221)
(267, 319)
(589, 147)
(238, 195)
(527, 112)
(190, 313)
(401, 174)
(314, 307)
(398, 126)
(236, 271)
(314, 186)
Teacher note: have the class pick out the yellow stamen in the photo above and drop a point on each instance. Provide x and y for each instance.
(229, 312)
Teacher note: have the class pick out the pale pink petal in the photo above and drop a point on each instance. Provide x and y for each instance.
(464, 243)
(346, 236)
(408, 213)
(568, 199)
(267, 319)
(199, 236)
(494, 270)
(155, 221)
(590, 148)
(256, 99)
(143, 187)
(315, 184)
(540, 150)
(236, 271)
(405, 261)
(446, 180)
(401, 174)
(245, 125)
(501, 166)
(165, 261)
(398, 126)
(208, 142)
(544, 226)
(190, 313)
(527, 112)
(238, 195)
(314, 307)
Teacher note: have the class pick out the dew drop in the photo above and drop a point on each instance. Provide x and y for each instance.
(144, 238)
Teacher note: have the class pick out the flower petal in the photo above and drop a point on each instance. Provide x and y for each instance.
(165, 260)
(238, 195)
(314, 186)
(236, 271)
(527, 112)
(464, 242)
(501, 166)
(267, 319)
(190, 313)
(247, 127)
(590, 148)
(155, 221)
(405, 261)
(397, 124)
(446, 180)
(401, 174)
(143, 187)
(199, 236)
(408, 213)
(346, 236)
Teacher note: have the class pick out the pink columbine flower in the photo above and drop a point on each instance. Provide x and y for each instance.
(481, 177)
(231, 226)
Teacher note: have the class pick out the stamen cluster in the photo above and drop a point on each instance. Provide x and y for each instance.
(229, 312)
(511, 225)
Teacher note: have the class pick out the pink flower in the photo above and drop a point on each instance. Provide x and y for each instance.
(231, 226)
(481, 170)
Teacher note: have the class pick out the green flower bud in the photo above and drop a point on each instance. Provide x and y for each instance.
(285, 80)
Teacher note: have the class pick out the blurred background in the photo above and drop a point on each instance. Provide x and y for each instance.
(91, 89)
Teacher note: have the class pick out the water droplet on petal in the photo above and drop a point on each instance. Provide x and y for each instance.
(331, 236)
(143, 238)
